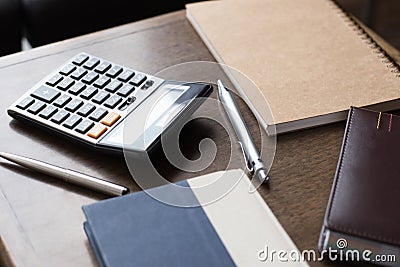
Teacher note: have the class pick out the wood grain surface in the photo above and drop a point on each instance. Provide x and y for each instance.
(41, 218)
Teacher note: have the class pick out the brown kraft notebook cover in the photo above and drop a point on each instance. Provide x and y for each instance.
(364, 204)
(308, 57)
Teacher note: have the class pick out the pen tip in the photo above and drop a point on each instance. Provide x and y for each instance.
(125, 191)
(263, 176)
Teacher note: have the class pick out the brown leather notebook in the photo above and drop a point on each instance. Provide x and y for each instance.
(363, 212)
(310, 60)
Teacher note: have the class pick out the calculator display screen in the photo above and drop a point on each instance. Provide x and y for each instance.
(166, 103)
(147, 122)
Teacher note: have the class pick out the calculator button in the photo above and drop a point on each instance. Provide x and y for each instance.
(65, 84)
(110, 119)
(60, 116)
(79, 73)
(102, 81)
(114, 86)
(98, 114)
(113, 101)
(77, 88)
(45, 93)
(91, 63)
(89, 92)
(74, 105)
(90, 77)
(97, 131)
(68, 69)
(114, 71)
(147, 84)
(36, 107)
(62, 100)
(138, 79)
(103, 67)
(84, 126)
(100, 97)
(126, 90)
(25, 103)
(48, 112)
(126, 104)
(126, 75)
(80, 59)
(86, 109)
(54, 80)
(72, 121)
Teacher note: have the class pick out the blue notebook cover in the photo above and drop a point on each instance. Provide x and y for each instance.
(137, 230)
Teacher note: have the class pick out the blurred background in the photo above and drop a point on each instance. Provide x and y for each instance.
(382, 16)
(30, 23)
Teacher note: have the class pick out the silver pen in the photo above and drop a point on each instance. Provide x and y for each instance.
(246, 141)
(67, 175)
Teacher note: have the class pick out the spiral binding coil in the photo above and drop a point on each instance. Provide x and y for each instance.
(366, 38)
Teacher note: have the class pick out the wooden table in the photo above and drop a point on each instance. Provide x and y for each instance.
(41, 219)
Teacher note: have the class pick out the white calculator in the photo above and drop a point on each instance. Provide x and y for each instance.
(89, 99)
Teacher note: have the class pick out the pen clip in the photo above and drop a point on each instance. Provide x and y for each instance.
(246, 162)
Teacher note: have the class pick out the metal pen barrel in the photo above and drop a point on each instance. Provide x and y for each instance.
(240, 128)
(70, 176)
(243, 134)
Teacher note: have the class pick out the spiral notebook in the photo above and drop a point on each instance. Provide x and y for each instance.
(309, 58)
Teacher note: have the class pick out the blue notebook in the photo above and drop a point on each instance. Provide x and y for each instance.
(138, 230)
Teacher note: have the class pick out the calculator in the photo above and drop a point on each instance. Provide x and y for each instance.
(92, 100)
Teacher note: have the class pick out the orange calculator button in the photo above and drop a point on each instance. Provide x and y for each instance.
(110, 119)
(97, 131)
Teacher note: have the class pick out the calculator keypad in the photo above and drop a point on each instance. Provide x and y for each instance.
(77, 88)
(46, 94)
(114, 86)
(101, 82)
(114, 71)
(60, 116)
(90, 77)
(103, 67)
(84, 126)
(86, 109)
(54, 80)
(91, 63)
(72, 121)
(74, 105)
(79, 73)
(68, 69)
(138, 79)
(26, 102)
(65, 84)
(97, 131)
(100, 97)
(62, 100)
(126, 75)
(86, 97)
(110, 119)
(113, 101)
(80, 59)
(48, 112)
(36, 107)
(98, 114)
(125, 90)
(89, 92)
